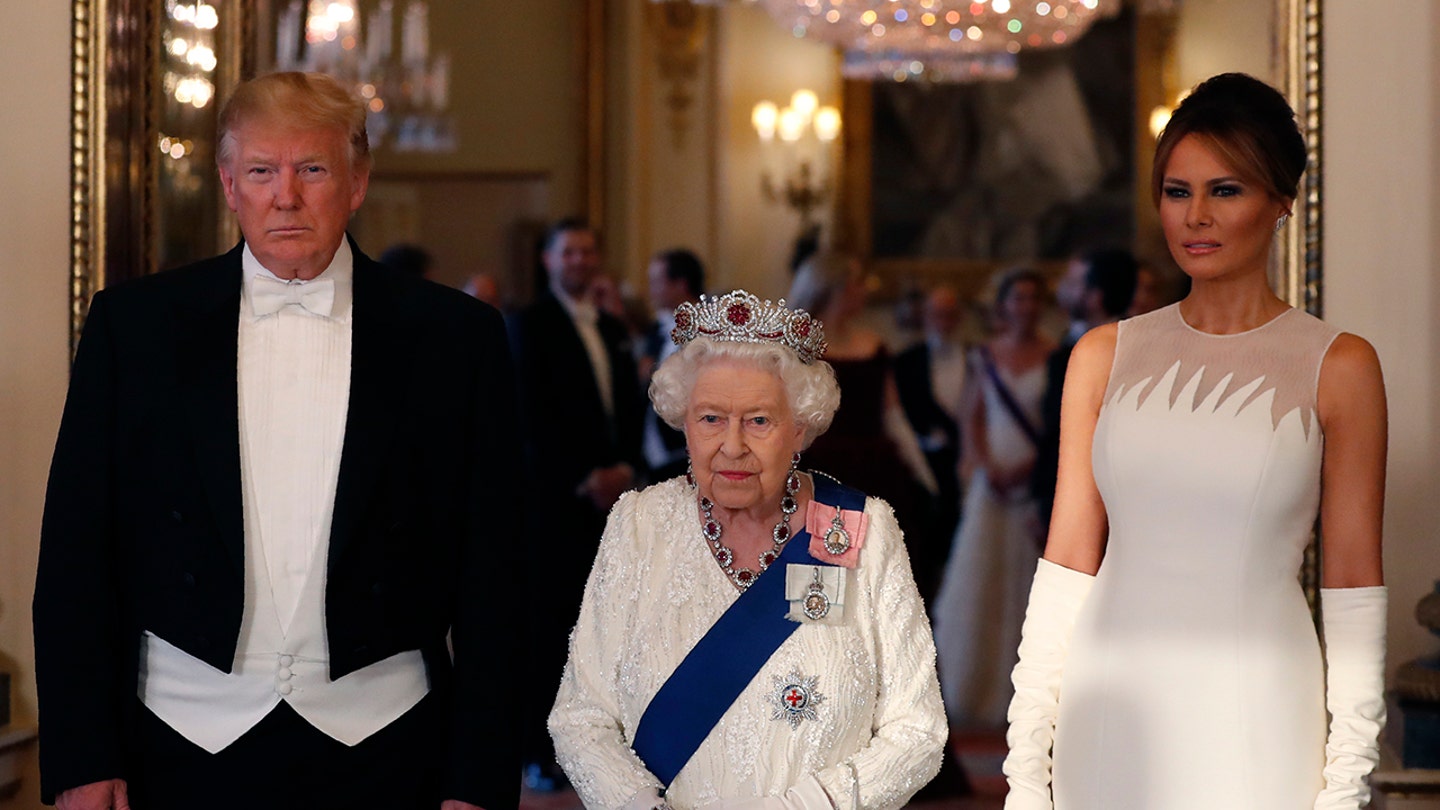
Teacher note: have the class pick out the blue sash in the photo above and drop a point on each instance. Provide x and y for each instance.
(727, 659)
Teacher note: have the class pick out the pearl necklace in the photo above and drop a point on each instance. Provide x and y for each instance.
(725, 556)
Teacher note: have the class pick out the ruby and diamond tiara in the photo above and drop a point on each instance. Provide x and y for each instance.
(741, 317)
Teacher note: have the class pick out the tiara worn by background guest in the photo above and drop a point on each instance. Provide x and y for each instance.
(751, 634)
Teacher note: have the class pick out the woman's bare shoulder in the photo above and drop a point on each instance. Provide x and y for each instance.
(1095, 351)
(1350, 357)
(1350, 377)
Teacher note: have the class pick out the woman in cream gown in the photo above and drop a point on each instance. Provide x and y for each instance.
(834, 703)
(1169, 655)
(981, 602)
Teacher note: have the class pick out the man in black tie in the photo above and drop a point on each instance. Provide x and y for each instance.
(930, 377)
(283, 481)
(581, 418)
(675, 276)
(1097, 288)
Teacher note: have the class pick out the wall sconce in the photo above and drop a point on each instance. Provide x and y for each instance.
(804, 131)
(1160, 115)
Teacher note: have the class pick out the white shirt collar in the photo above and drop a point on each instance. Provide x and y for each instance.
(940, 345)
(341, 270)
(578, 310)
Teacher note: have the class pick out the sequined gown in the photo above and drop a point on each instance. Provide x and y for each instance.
(654, 592)
(1194, 677)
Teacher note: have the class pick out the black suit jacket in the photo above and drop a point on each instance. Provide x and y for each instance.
(912, 369)
(143, 526)
(656, 339)
(567, 432)
(1047, 453)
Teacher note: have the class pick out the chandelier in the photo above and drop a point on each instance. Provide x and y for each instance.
(406, 90)
(941, 40)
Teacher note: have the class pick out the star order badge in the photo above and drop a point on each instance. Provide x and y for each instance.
(796, 697)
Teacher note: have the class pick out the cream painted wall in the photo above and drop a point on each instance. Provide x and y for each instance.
(516, 89)
(760, 61)
(661, 188)
(34, 343)
(1220, 36)
(704, 192)
(1382, 251)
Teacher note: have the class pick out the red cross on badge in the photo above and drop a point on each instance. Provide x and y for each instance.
(795, 698)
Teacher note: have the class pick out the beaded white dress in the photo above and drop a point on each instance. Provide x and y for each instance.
(655, 590)
(1194, 678)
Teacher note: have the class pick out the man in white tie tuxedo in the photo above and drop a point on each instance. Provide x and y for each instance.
(283, 479)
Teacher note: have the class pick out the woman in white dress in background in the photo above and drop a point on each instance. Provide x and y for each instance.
(751, 637)
(1169, 654)
(981, 603)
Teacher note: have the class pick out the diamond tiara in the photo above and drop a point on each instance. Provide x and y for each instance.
(740, 317)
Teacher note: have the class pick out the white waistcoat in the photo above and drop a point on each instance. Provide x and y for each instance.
(294, 394)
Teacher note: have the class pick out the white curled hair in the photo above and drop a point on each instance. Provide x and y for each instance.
(812, 390)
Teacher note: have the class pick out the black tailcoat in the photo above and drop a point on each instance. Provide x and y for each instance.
(143, 525)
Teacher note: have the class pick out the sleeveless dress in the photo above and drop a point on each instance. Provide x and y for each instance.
(856, 449)
(981, 603)
(1194, 678)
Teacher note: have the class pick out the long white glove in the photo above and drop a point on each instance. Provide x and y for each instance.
(807, 794)
(1354, 624)
(1055, 599)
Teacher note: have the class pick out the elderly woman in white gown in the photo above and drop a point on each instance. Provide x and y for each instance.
(751, 636)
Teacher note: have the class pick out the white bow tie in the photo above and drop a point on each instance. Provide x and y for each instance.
(269, 295)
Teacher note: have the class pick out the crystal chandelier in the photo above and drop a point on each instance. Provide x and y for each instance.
(942, 40)
(406, 90)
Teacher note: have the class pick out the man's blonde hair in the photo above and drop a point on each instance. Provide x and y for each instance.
(303, 101)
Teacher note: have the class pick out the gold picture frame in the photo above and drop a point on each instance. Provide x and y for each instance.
(116, 92)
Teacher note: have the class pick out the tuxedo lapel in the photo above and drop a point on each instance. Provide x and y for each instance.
(568, 342)
(207, 353)
(380, 347)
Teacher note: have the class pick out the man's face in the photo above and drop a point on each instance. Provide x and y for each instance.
(572, 260)
(942, 312)
(293, 191)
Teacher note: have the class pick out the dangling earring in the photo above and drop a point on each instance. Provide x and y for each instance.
(1280, 223)
(690, 473)
(792, 480)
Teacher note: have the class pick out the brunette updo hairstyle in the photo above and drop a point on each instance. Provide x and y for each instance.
(1249, 125)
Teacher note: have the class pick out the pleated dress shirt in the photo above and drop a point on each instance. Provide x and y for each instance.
(294, 384)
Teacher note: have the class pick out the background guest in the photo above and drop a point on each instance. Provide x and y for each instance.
(1099, 287)
(483, 287)
(675, 276)
(1150, 292)
(409, 259)
(930, 378)
(870, 445)
(981, 602)
(581, 419)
